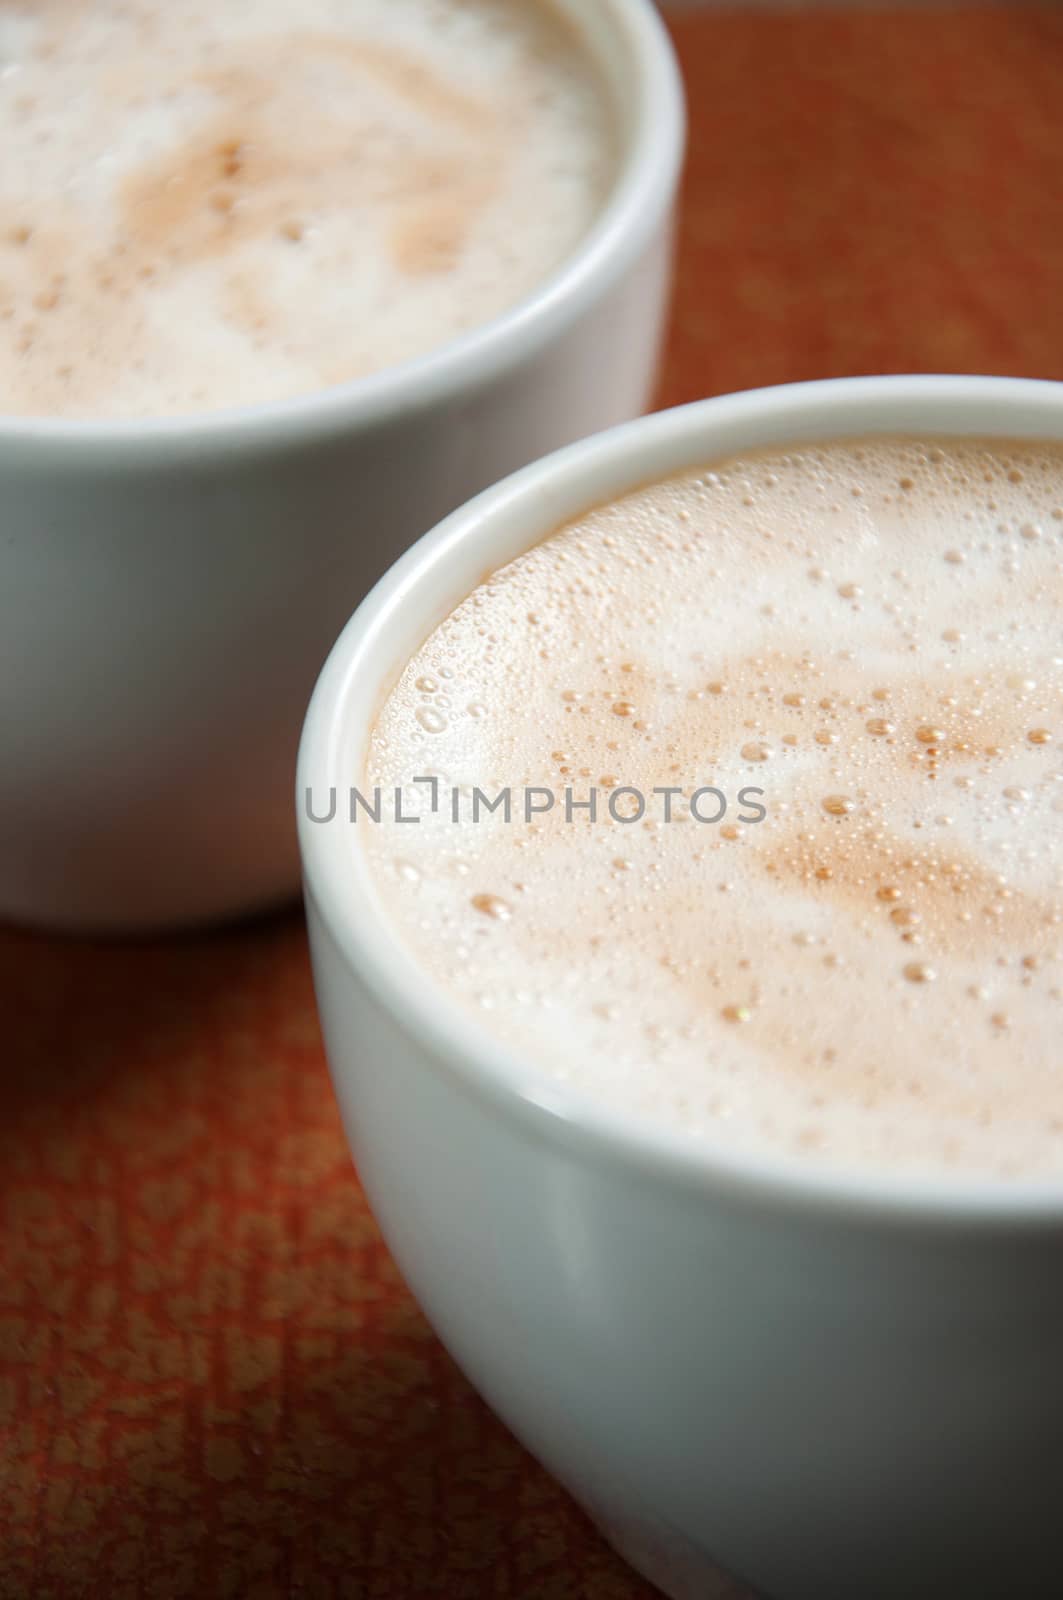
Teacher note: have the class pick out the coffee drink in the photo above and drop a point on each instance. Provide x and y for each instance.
(218, 204)
(815, 696)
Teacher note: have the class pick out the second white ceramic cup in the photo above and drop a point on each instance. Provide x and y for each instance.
(837, 1385)
(169, 589)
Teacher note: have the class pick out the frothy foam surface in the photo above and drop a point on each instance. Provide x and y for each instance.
(870, 632)
(215, 204)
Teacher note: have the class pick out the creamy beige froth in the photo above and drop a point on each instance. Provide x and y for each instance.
(872, 634)
(210, 205)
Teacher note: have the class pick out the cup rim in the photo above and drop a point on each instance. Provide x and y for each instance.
(337, 882)
(643, 188)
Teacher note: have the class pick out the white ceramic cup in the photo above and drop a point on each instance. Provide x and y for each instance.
(837, 1386)
(169, 589)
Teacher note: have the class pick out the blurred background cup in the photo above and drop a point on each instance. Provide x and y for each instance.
(169, 588)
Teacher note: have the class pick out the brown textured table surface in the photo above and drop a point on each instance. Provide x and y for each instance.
(212, 1381)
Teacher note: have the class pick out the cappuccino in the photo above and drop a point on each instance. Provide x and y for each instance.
(217, 204)
(869, 635)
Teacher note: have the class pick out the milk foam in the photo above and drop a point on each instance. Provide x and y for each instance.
(214, 204)
(872, 633)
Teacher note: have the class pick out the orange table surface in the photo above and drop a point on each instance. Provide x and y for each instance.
(212, 1380)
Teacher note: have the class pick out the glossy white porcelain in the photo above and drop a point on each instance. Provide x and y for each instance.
(834, 1385)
